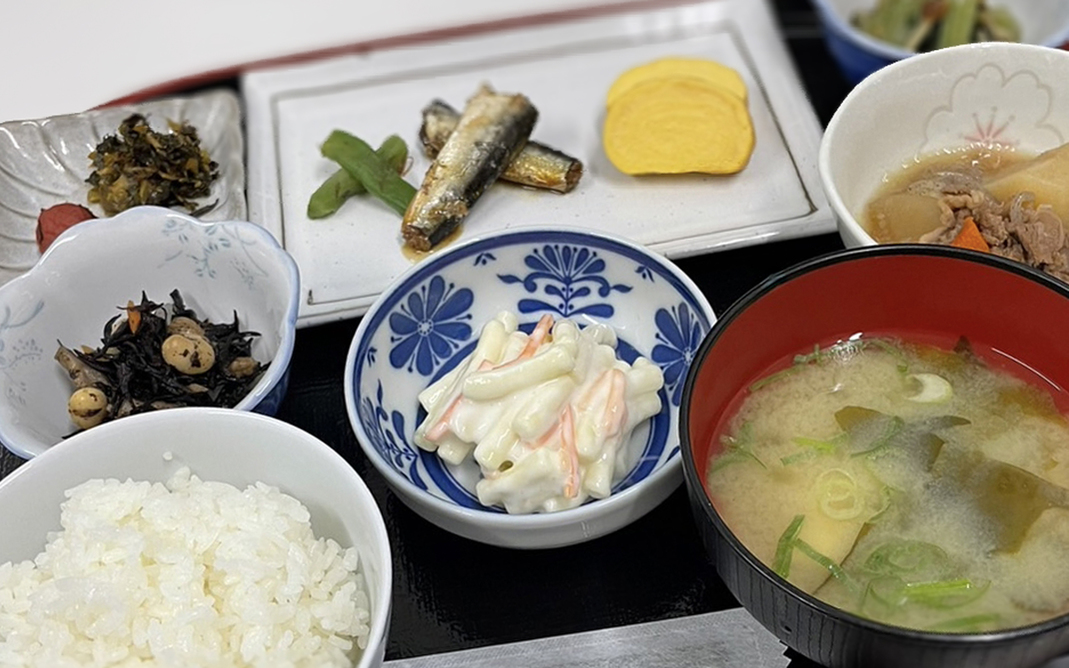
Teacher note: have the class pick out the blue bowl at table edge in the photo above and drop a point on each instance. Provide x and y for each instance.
(859, 55)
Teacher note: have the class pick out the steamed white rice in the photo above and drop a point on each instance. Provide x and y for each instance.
(190, 573)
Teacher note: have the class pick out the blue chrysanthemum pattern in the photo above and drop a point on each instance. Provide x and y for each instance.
(679, 334)
(571, 280)
(429, 326)
(385, 433)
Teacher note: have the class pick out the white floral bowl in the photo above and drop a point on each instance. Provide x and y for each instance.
(429, 319)
(1011, 94)
(97, 266)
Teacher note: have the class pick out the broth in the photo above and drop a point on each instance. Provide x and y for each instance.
(903, 482)
(892, 218)
(986, 198)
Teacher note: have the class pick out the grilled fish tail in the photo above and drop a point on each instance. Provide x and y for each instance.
(489, 134)
(537, 165)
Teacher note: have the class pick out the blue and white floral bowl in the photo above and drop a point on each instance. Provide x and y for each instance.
(858, 54)
(97, 266)
(429, 319)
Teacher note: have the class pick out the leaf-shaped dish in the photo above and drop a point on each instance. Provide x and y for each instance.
(45, 162)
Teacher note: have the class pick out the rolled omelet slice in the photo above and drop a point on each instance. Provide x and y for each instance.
(698, 68)
(678, 125)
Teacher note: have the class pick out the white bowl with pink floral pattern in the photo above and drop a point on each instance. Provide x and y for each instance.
(1015, 95)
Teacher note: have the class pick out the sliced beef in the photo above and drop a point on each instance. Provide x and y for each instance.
(1018, 230)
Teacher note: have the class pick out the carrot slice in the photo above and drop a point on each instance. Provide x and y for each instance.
(133, 317)
(970, 237)
(567, 432)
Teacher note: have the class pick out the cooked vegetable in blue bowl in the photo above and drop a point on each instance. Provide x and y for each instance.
(865, 35)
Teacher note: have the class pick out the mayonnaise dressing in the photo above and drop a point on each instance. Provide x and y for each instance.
(546, 416)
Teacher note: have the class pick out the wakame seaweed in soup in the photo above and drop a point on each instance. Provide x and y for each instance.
(910, 484)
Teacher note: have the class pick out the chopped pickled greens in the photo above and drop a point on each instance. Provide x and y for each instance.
(138, 166)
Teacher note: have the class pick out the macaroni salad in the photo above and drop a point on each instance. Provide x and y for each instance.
(546, 416)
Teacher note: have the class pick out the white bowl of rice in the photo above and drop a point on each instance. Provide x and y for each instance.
(192, 537)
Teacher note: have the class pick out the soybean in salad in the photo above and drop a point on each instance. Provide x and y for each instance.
(152, 357)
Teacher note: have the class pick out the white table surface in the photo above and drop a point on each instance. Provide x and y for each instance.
(65, 56)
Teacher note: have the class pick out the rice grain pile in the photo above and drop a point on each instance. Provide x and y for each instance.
(190, 573)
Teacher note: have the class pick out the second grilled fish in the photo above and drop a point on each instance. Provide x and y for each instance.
(537, 165)
(492, 130)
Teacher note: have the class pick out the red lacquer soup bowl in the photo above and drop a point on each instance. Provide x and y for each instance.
(1017, 318)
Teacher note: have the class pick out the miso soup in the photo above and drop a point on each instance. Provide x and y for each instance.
(911, 484)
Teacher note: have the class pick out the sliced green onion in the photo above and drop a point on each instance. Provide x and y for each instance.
(893, 350)
(885, 493)
(890, 591)
(772, 378)
(914, 558)
(894, 426)
(837, 494)
(736, 456)
(969, 624)
(934, 389)
(835, 569)
(737, 449)
(809, 358)
(781, 564)
(817, 444)
(946, 594)
(798, 457)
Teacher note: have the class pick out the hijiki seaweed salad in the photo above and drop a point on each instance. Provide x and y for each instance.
(147, 361)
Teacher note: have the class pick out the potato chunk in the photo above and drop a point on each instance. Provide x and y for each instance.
(1045, 177)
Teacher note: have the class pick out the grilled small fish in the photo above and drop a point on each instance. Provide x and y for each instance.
(491, 131)
(537, 165)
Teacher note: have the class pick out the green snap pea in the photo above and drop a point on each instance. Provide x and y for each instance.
(371, 170)
(341, 185)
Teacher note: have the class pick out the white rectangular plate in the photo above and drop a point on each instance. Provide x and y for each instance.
(565, 69)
